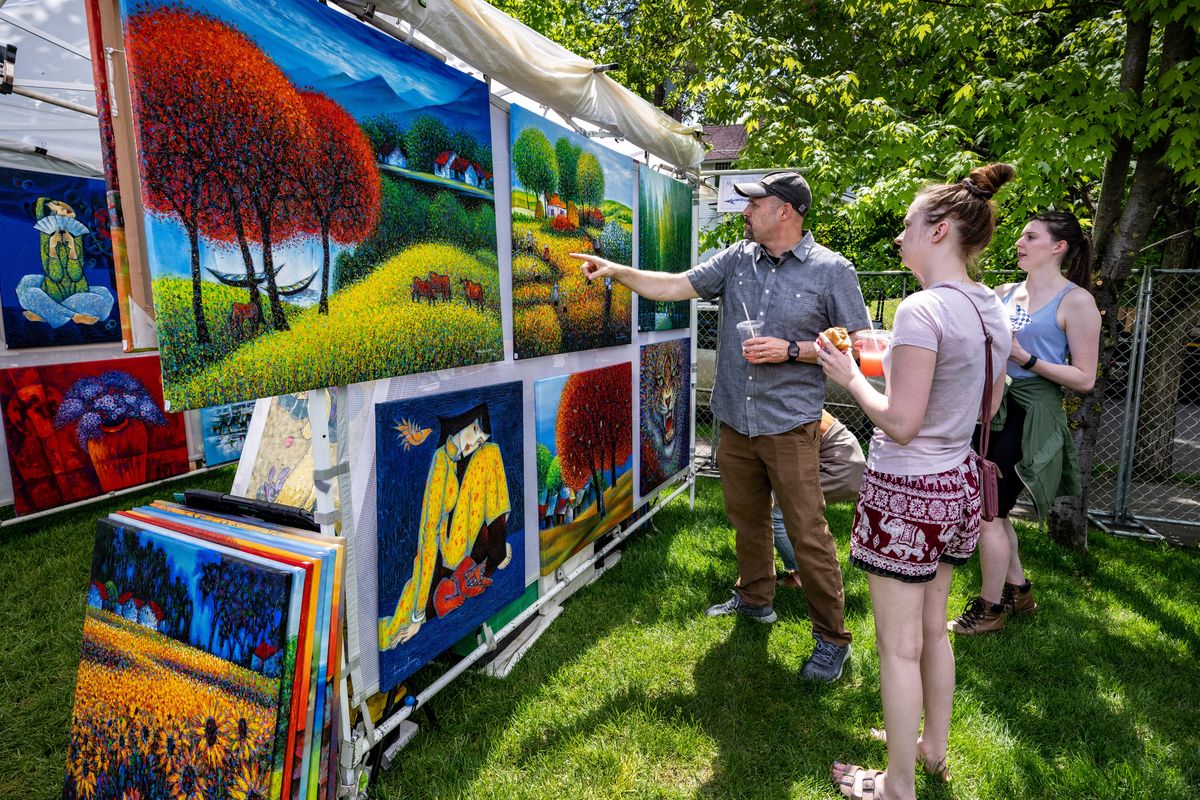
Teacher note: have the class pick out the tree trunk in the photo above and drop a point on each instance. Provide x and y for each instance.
(247, 259)
(1118, 248)
(1175, 308)
(1151, 182)
(202, 335)
(596, 485)
(324, 308)
(278, 320)
(1116, 169)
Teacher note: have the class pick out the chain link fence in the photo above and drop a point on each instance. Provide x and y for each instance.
(1147, 459)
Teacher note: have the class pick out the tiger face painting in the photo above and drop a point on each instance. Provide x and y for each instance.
(665, 411)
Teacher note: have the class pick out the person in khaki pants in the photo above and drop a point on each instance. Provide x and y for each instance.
(841, 469)
(783, 289)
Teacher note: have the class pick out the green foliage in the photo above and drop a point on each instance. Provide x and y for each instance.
(616, 242)
(534, 162)
(464, 145)
(447, 219)
(403, 220)
(591, 180)
(385, 135)
(567, 156)
(427, 137)
(554, 479)
(544, 457)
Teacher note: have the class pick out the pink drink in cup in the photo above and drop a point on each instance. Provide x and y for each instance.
(874, 345)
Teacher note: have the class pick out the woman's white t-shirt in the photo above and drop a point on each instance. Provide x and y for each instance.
(942, 320)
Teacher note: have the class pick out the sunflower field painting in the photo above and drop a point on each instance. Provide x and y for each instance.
(181, 683)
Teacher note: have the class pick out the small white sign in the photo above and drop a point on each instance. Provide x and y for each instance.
(730, 201)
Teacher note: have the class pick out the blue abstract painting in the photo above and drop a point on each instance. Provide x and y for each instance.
(224, 431)
(451, 520)
(56, 276)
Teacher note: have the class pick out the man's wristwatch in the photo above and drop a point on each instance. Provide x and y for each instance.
(793, 350)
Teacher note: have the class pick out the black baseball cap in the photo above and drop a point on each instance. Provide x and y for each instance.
(790, 187)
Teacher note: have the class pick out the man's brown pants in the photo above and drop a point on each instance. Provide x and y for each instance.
(751, 467)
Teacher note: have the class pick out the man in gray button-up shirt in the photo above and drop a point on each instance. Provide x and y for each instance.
(768, 396)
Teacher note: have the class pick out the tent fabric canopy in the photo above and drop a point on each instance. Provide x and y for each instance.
(529, 63)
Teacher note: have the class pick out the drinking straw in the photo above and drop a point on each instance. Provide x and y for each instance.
(747, 314)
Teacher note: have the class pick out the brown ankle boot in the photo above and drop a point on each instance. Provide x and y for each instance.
(979, 616)
(1019, 599)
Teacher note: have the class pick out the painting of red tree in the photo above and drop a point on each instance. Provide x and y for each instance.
(288, 251)
(585, 430)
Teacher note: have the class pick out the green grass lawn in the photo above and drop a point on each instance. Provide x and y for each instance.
(632, 693)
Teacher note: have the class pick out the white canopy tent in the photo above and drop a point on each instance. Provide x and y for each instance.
(529, 63)
(53, 59)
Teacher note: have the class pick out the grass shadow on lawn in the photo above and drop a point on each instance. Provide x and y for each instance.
(633, 693)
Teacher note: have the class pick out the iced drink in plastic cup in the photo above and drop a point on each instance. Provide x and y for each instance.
(750, 328)
(870, 355)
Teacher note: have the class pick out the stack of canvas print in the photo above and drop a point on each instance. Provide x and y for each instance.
(56, 278)
(210, 659)
(319, 201)
(78, 430)
(569, 195)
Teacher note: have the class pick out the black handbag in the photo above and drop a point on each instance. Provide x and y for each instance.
(989, 473)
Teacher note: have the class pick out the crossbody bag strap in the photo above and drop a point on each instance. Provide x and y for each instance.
(985, 415)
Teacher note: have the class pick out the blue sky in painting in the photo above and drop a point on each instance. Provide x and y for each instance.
(618, 169)
(546, 394)
(365, 71)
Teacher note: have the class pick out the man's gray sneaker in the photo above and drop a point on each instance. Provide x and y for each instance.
(735, 605)
(826, 662)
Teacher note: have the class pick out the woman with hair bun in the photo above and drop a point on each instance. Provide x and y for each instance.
(918, 511)
(1056, 344)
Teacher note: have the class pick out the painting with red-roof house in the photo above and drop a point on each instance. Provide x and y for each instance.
(319, 200)
(570, 194)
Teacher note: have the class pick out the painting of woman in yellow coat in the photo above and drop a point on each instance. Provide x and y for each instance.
(458, 544)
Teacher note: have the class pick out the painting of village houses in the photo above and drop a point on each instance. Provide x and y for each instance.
(569, 195)
(584, 458)
(182, 688)
(319, 200)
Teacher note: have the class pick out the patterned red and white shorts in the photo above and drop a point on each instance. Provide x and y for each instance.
(905, 524)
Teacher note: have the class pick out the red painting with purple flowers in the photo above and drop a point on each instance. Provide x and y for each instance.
(78, 430)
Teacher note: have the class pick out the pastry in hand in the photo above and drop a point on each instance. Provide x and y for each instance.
(839, 338)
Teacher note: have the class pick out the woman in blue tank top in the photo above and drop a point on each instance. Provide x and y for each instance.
(1055, 345)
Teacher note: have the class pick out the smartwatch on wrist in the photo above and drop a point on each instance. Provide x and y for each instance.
(1028, 365)
(793, 350)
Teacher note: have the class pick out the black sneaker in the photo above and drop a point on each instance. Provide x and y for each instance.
(735, 605)
(826, 662)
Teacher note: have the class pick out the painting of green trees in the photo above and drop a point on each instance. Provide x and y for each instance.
(569, 195)
(307, 225)
(664, 243)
